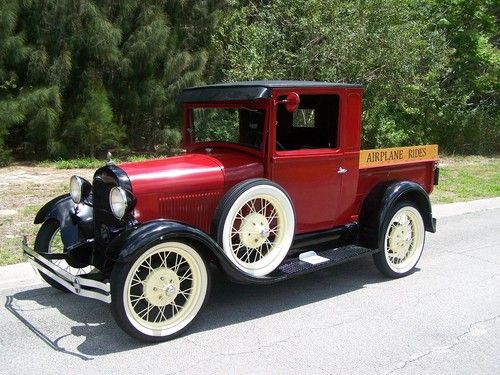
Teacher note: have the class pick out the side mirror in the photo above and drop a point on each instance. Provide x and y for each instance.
(291, 102)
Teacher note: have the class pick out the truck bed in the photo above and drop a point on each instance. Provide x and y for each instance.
(416, 163)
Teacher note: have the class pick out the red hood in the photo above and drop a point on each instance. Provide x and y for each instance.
(188, 188)
(219, 170)
(176, 174)
(237, 166)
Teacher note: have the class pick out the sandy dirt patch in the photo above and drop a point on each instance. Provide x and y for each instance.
(23, 191)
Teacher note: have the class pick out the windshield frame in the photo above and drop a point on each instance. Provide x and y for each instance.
(190, 145)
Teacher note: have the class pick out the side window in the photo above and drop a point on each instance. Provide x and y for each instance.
(303, 118)
(313, 125)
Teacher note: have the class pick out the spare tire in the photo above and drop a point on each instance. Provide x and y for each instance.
(255, 225)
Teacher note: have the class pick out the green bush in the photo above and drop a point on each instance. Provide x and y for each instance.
(168, 141)
(93, 131)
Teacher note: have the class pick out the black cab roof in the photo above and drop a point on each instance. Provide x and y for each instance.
(248, 90)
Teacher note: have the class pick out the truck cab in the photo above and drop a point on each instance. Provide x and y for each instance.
(312, 151)
(272, 184)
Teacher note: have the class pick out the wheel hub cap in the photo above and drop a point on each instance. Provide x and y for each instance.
(161, 286)
(400, 241)
(254, 230)
(169, 290)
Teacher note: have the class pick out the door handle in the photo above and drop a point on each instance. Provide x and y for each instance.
(341, 170)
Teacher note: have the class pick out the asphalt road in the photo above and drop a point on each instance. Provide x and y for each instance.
(443, 319)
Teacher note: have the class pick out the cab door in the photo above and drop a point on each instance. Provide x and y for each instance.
(307, 159)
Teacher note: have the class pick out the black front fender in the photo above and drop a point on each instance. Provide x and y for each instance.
(380, 201)
(132, 242)
(76, 221)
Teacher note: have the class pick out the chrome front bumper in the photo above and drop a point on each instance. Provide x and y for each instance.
(75, 284)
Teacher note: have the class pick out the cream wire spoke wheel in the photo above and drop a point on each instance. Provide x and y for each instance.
(257, 226)
(56, 246)
(162, 291)
(49, 240)
(256, 229)
(403, 239)
(400, 238)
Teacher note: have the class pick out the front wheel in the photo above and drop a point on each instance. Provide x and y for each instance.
(401, 242)
(48, 240)
(157, 296)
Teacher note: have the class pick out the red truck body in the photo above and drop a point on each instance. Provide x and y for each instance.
(272, 184)
(189, 187)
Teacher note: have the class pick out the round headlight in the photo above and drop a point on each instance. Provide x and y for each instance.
(118, 202)
(75, 189)
(79, 189)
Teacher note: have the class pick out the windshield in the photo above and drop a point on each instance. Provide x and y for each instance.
(244, 126)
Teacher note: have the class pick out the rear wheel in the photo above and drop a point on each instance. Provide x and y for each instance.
(402, 241)
(157, 296)
(48, 240)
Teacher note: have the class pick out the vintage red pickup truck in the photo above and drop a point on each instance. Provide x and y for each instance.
(272, 185)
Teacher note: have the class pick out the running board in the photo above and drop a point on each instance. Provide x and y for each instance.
(311, 261)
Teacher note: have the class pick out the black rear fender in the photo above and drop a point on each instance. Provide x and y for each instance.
(76, 221)
(379, 203)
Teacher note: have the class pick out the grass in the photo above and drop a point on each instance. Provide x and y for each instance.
(10, 248)
(461, 179)
(94, 163)
(465, 178)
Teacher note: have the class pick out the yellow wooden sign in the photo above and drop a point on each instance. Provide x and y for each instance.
(397, 155)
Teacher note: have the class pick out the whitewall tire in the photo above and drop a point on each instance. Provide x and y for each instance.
(255, 226)
(401, 242)
(160, 293)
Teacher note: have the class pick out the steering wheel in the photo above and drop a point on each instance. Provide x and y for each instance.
(255, 138)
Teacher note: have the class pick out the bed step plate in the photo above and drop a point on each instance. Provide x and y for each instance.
(312, 261)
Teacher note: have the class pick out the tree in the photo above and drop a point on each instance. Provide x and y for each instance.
(430, 68)
(82, 71)
(471, 84)
(13, 52)
(381, 44)
(107, 72)
(154, 67)
(93, 129)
